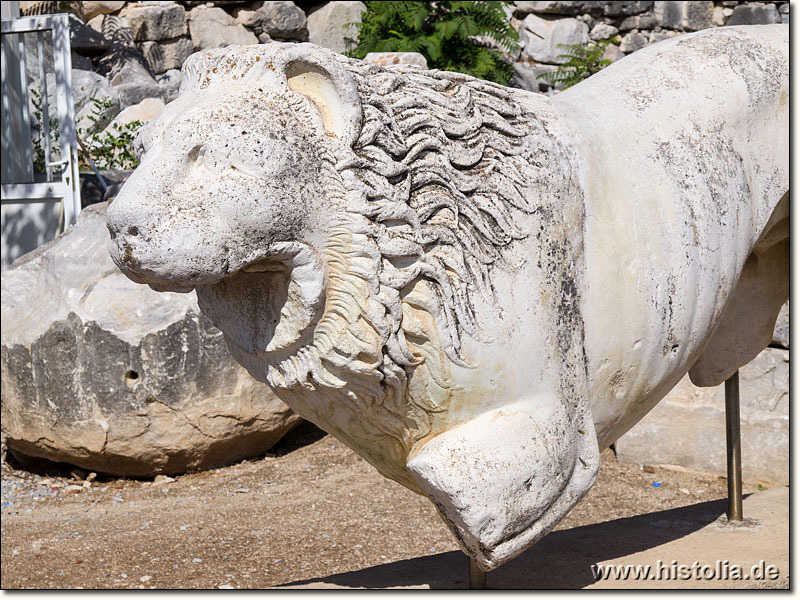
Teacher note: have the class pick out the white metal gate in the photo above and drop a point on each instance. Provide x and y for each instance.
(60, 181)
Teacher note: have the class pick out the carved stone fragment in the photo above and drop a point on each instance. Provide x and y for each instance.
(474, 287)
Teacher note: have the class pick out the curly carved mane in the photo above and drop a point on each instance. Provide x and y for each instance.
(443, 166)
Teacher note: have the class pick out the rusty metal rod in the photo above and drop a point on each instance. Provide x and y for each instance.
(734, 446)
(477, 576)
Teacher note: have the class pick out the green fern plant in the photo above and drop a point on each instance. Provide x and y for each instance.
(582, 62)
(468, 37)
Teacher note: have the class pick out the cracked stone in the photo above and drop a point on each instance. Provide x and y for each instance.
(110, 376)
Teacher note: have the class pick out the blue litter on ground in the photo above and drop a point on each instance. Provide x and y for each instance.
(657, 484)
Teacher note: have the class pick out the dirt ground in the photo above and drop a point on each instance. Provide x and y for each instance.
(308, 510)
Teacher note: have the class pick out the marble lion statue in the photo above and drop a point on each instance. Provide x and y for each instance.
(475, 288)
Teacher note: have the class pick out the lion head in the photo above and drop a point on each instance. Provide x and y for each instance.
(338, 222)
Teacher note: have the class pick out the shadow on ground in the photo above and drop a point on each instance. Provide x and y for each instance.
(562, 560)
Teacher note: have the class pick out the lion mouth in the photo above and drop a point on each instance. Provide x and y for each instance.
(268, 304)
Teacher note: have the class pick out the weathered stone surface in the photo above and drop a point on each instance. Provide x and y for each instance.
(95, 8)
(558, 8)
(170, 79)
(85, 40)
(687, 428)
(632, 42)
(754, 14)
(618, 9)
(214, 28)
(475, 287)
(131, 76)
(279, 20)
(613, 53)
(541, 38)
(660, 36)
(92, 192)
(780, 336)
(684, 15)
(113, 377)
(396, 58)
(163, 21)
(602, 31)
(167, 54)
(328, 27)
(645, 21)
(527, 77)
(718, 17)
(144, 111)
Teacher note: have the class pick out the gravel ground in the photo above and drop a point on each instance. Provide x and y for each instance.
(308, 510)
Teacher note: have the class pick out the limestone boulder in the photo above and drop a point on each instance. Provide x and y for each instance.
(94, 9)
(687, 428)
(632, 42)
(684, 16)
(603, 31)
(161, 21)
(167, 54)
(212, 27)
(144, 111)
(640, 22)
(542, 38)
(131, 76)
(111, 376)
(85, 40)
(332, 26)
(529, 77)
(279, 20)
(559, 8)
(754, 14)
(613, 8)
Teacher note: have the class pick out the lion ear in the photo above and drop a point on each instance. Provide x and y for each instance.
(324, 81)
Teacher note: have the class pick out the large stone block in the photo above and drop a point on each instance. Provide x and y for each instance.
(620, 9)
(214, 28)
(559, 8)
(85, 40)
(94, 9)
(156, 22)
(279, 20)
(111, 376)
(687, 428)
(542, 38)
(632, 42)
(167, 54)
(754, 14)
(685, 16)
(329, 26)
(603, 31)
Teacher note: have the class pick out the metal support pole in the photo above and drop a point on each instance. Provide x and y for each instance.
(477, 576)
(734, 447)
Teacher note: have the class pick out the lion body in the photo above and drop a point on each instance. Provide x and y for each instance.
(471, 286)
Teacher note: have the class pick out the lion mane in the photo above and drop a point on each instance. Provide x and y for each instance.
(442, 167)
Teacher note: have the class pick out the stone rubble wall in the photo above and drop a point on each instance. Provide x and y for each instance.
(141, 45)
